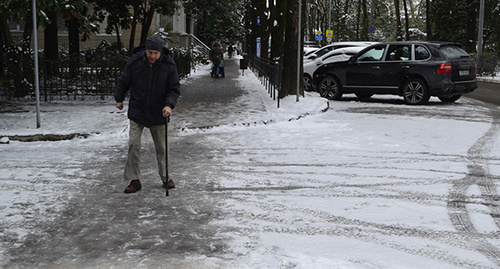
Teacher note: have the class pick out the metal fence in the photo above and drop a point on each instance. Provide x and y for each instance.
(488, 65)
(268, 72)
(92, 75)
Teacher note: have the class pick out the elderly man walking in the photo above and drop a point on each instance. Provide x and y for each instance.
(151, 76)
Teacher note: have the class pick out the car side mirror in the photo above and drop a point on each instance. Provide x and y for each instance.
(352, 59)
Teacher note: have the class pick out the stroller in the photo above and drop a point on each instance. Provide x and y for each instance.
(218, 70)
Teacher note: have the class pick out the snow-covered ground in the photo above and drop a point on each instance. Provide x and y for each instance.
(362, 185)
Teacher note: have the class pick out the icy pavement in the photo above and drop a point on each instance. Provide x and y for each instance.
(363, 185)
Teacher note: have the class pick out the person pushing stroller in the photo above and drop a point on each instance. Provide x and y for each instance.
(217, 58)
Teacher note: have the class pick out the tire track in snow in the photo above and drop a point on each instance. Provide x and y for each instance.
(478, 175)
(368, 231)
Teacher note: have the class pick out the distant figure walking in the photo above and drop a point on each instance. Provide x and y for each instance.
(217, 58)
(230, 51)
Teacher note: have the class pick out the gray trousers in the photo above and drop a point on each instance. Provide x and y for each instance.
(132, 167)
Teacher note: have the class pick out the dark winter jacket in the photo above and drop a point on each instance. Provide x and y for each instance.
(216, 55)
(151, 87)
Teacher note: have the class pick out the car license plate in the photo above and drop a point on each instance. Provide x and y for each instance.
(464, 72)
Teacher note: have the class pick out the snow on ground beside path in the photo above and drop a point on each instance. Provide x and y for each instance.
(348, 185)
(37, 179)
(363, 185)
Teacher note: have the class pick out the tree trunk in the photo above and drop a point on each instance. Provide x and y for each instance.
(365, 22)
(471, 31)
(148, 19)
(343, 27)
(252, 18)
(28, 32)
(262, 31)
(407, 21)
(51, 44)
(2, 52)
(26, 61)
(289, 75)
(133, 28)
(399, 35)
(278, 31)
(358, 21)
(118, 38)
(74, 45)
(5, 41)
(428, 19)
(5, 30)
(14, 68)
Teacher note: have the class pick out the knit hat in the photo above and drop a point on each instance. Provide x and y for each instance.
(154, 43)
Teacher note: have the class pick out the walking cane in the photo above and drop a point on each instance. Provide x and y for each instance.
(166, 153)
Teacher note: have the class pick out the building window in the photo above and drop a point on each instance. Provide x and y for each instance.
(15, 27)
(166, 22)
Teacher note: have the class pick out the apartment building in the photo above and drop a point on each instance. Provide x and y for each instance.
(179, 26)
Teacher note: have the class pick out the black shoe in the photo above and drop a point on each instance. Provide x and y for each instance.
(134, 186)
(169, 185)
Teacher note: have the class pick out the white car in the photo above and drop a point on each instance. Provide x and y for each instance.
(309, 50)
(342, 54)
(336, 45)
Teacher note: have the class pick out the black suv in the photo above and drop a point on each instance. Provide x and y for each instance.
(413, 69)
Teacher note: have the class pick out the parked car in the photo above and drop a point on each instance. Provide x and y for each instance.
(336, 45)
(309, 51)
(415, 70)
(311, 44)
(341, 54)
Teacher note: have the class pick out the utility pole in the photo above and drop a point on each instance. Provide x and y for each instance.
(299, 56)
(37, 84)
(480, 35)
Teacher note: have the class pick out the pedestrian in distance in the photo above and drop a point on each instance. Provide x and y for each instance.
(230, 50)
(151, 76)
(217, 58)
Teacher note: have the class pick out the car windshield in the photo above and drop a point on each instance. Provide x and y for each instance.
(453, 52)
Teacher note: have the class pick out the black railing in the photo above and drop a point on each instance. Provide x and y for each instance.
(91, 75)
(488, 65)
(72, 79)
(268, 72)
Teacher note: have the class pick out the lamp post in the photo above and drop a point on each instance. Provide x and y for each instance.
(299, 56)
(37, 84)
(480, 35)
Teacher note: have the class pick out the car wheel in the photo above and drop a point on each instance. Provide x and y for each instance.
(415, 92)
(330, 88)
(449, 98)
(363, 95)
(307, 83)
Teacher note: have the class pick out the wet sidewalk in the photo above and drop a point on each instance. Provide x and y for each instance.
(85, 219)
(207, 101)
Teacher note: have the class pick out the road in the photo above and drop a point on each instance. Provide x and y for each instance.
(487, 92)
